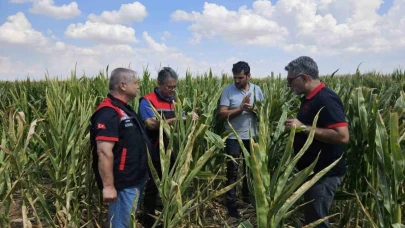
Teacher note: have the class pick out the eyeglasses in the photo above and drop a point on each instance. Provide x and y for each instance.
(289, 80)
(171, 88)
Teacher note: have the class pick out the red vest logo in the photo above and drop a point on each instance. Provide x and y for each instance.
(101, 126)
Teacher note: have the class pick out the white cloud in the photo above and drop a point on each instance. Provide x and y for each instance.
(344, 32)
(18, 31)
(324, 27)
(226, 64)
(127, 14)
(166, 35)
(152, 44)
(12, 69)
(88, 59)
(62, 49)
(20, 1)
(102, 33)
(60, 58)
(239, 27)
(48, 8)
(157, 55)
(180, 15)
(92, 59)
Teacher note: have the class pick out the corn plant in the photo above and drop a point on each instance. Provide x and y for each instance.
(48, 174)
(18, 172)
(65, 140)
(276, 192)
(185, 142)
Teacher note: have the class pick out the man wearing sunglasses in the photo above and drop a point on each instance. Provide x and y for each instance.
(331, 133)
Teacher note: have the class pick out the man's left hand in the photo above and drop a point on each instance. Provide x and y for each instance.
(289, 123)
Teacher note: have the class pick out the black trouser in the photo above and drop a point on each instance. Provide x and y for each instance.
(321, 194)
(233, 149)
(151, 195)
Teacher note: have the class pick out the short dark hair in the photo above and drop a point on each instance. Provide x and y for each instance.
(165, 73)
(303, 65)
(241, 66)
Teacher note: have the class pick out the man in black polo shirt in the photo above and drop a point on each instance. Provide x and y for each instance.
(119, 143)
(330, 134)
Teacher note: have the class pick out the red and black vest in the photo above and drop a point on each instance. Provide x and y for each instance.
(166, 110)
(130, 152)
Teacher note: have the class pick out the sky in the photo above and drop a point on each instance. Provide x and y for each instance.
(55, 37)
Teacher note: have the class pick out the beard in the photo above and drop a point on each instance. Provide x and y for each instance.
(297, 91)
(240, 85)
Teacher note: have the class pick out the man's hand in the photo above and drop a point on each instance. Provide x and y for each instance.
(195, 115)
(246, 99)
(246, 107)
(289, 123)
(109, 194)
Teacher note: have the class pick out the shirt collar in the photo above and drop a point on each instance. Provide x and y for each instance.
(315, 91)
(250, 87)
(170, 99)
(117, 99)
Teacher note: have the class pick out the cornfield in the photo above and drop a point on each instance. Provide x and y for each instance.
(46, 178)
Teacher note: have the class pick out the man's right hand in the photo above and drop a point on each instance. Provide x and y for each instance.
(246, 107)
(109, 194)
(195, 115)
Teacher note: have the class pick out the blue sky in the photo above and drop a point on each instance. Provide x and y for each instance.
(39, 36)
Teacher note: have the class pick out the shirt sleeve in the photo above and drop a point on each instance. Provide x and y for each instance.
(333, 114)
(224, 100)
(259, 93)
(106, 125)
(145, 110)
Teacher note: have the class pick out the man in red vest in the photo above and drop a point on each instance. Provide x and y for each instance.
(162, 100)
(119, 144)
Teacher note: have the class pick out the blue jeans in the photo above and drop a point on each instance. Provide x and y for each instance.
(119, 212)
(322, 193)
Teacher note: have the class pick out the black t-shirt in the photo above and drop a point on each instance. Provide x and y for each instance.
(331, 116)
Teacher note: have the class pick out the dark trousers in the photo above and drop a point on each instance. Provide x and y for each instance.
(150, 197)
(322, 192)
(233, 149)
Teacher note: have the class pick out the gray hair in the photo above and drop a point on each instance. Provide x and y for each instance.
(165, 73)
(120, 75)
(304, 65)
